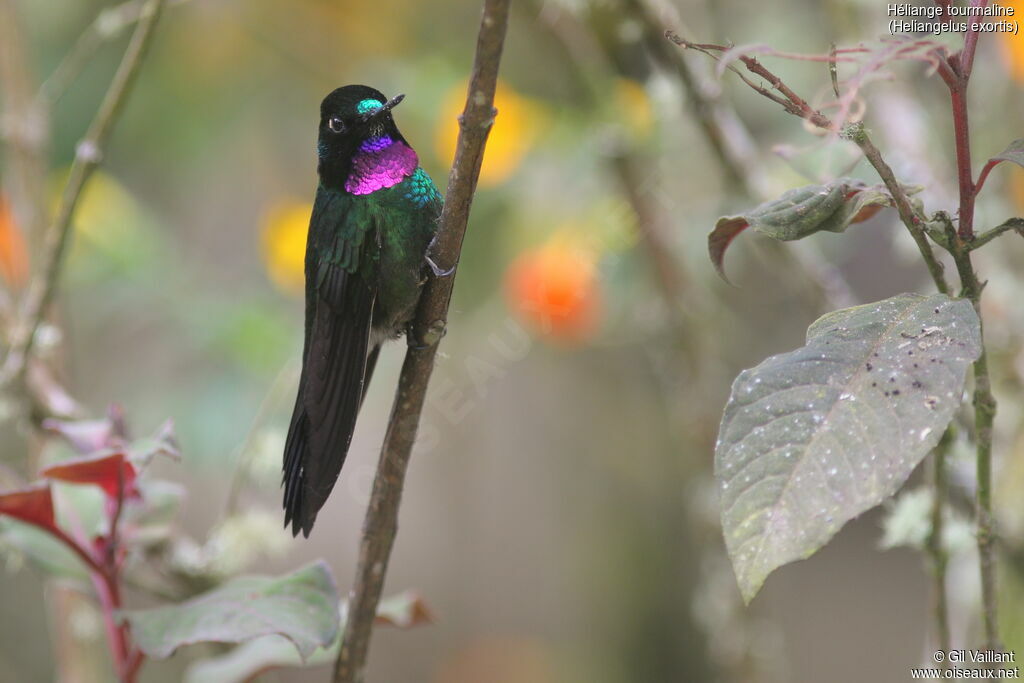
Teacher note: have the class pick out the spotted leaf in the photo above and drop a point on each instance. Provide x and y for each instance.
(814, 437)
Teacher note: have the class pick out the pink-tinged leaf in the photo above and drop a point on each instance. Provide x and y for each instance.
(33, 505)
(721, 237)
(268, 653)
(163, 442)
(54, 397)
(405, 610)
(89, 436)
(1014, 153)
(302, 607)
(110, 472)
(802, 212)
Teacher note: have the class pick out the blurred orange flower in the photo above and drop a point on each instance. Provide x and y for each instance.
(285, 226)
(13, 251)
(1013, 45)
(515, 130)
(554, 289)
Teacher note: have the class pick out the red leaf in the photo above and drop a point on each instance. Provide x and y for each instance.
(718, 241)
(106, 471)
(33, 505)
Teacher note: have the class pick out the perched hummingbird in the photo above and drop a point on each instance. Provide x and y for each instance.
(374, 217)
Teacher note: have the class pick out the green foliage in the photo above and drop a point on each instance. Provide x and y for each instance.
(801, 212)
(302, 607)
(814, 437)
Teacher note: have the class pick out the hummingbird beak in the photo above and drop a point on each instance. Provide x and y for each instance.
(388, 106)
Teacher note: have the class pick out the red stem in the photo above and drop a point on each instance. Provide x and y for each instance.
(970, 45)
(117, 636)
(958, 94)
(984, 174)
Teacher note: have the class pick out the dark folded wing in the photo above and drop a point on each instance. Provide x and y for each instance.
(339, 310)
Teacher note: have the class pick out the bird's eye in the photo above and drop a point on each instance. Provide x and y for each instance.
(335, 124)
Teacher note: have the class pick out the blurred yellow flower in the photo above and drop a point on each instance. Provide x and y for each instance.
(633, 106)
(516, 129)
(1012, 46)
(285, 226)
(107, 215)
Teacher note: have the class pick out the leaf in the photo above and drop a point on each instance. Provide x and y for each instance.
(814, 437)
(46, 552)
(163, 442)
(33, 504)
(302, 607)
(110, 472)
(264, 654)
(1013, 153)
(89, 436)
(802, 212)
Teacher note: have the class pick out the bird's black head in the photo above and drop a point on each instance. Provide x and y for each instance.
(349, 116)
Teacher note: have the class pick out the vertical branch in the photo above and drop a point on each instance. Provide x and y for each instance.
(984, 402)
(381, 523)
(965, 179)
(88, 156)
(984, 417)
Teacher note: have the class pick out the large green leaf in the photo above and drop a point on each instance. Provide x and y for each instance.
(244, 662)
(302, 607)
(801, 212)
(812, 438)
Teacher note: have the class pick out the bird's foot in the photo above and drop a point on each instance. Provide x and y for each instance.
(438, 272)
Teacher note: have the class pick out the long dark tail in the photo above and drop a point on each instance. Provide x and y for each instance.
(335, 375)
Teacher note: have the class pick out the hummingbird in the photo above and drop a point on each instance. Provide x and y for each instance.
(374, 217)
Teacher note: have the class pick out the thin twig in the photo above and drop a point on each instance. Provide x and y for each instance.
(88, 156)
(381, 523)
(1016, 224)
(913, 221)
(796, 105)
(107, 25)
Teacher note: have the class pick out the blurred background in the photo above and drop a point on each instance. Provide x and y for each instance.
(559, 518)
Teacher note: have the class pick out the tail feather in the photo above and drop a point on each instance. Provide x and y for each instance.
(330, 393)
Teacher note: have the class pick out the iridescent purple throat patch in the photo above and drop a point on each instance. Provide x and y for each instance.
(380, 163)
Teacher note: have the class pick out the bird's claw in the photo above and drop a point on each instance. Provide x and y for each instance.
(438, 272)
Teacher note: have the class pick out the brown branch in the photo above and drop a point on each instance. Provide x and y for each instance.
(381, 523)
(796, 105)
(910, 217)
(88, 156)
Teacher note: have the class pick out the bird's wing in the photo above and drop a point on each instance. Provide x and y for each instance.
(339, 310)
